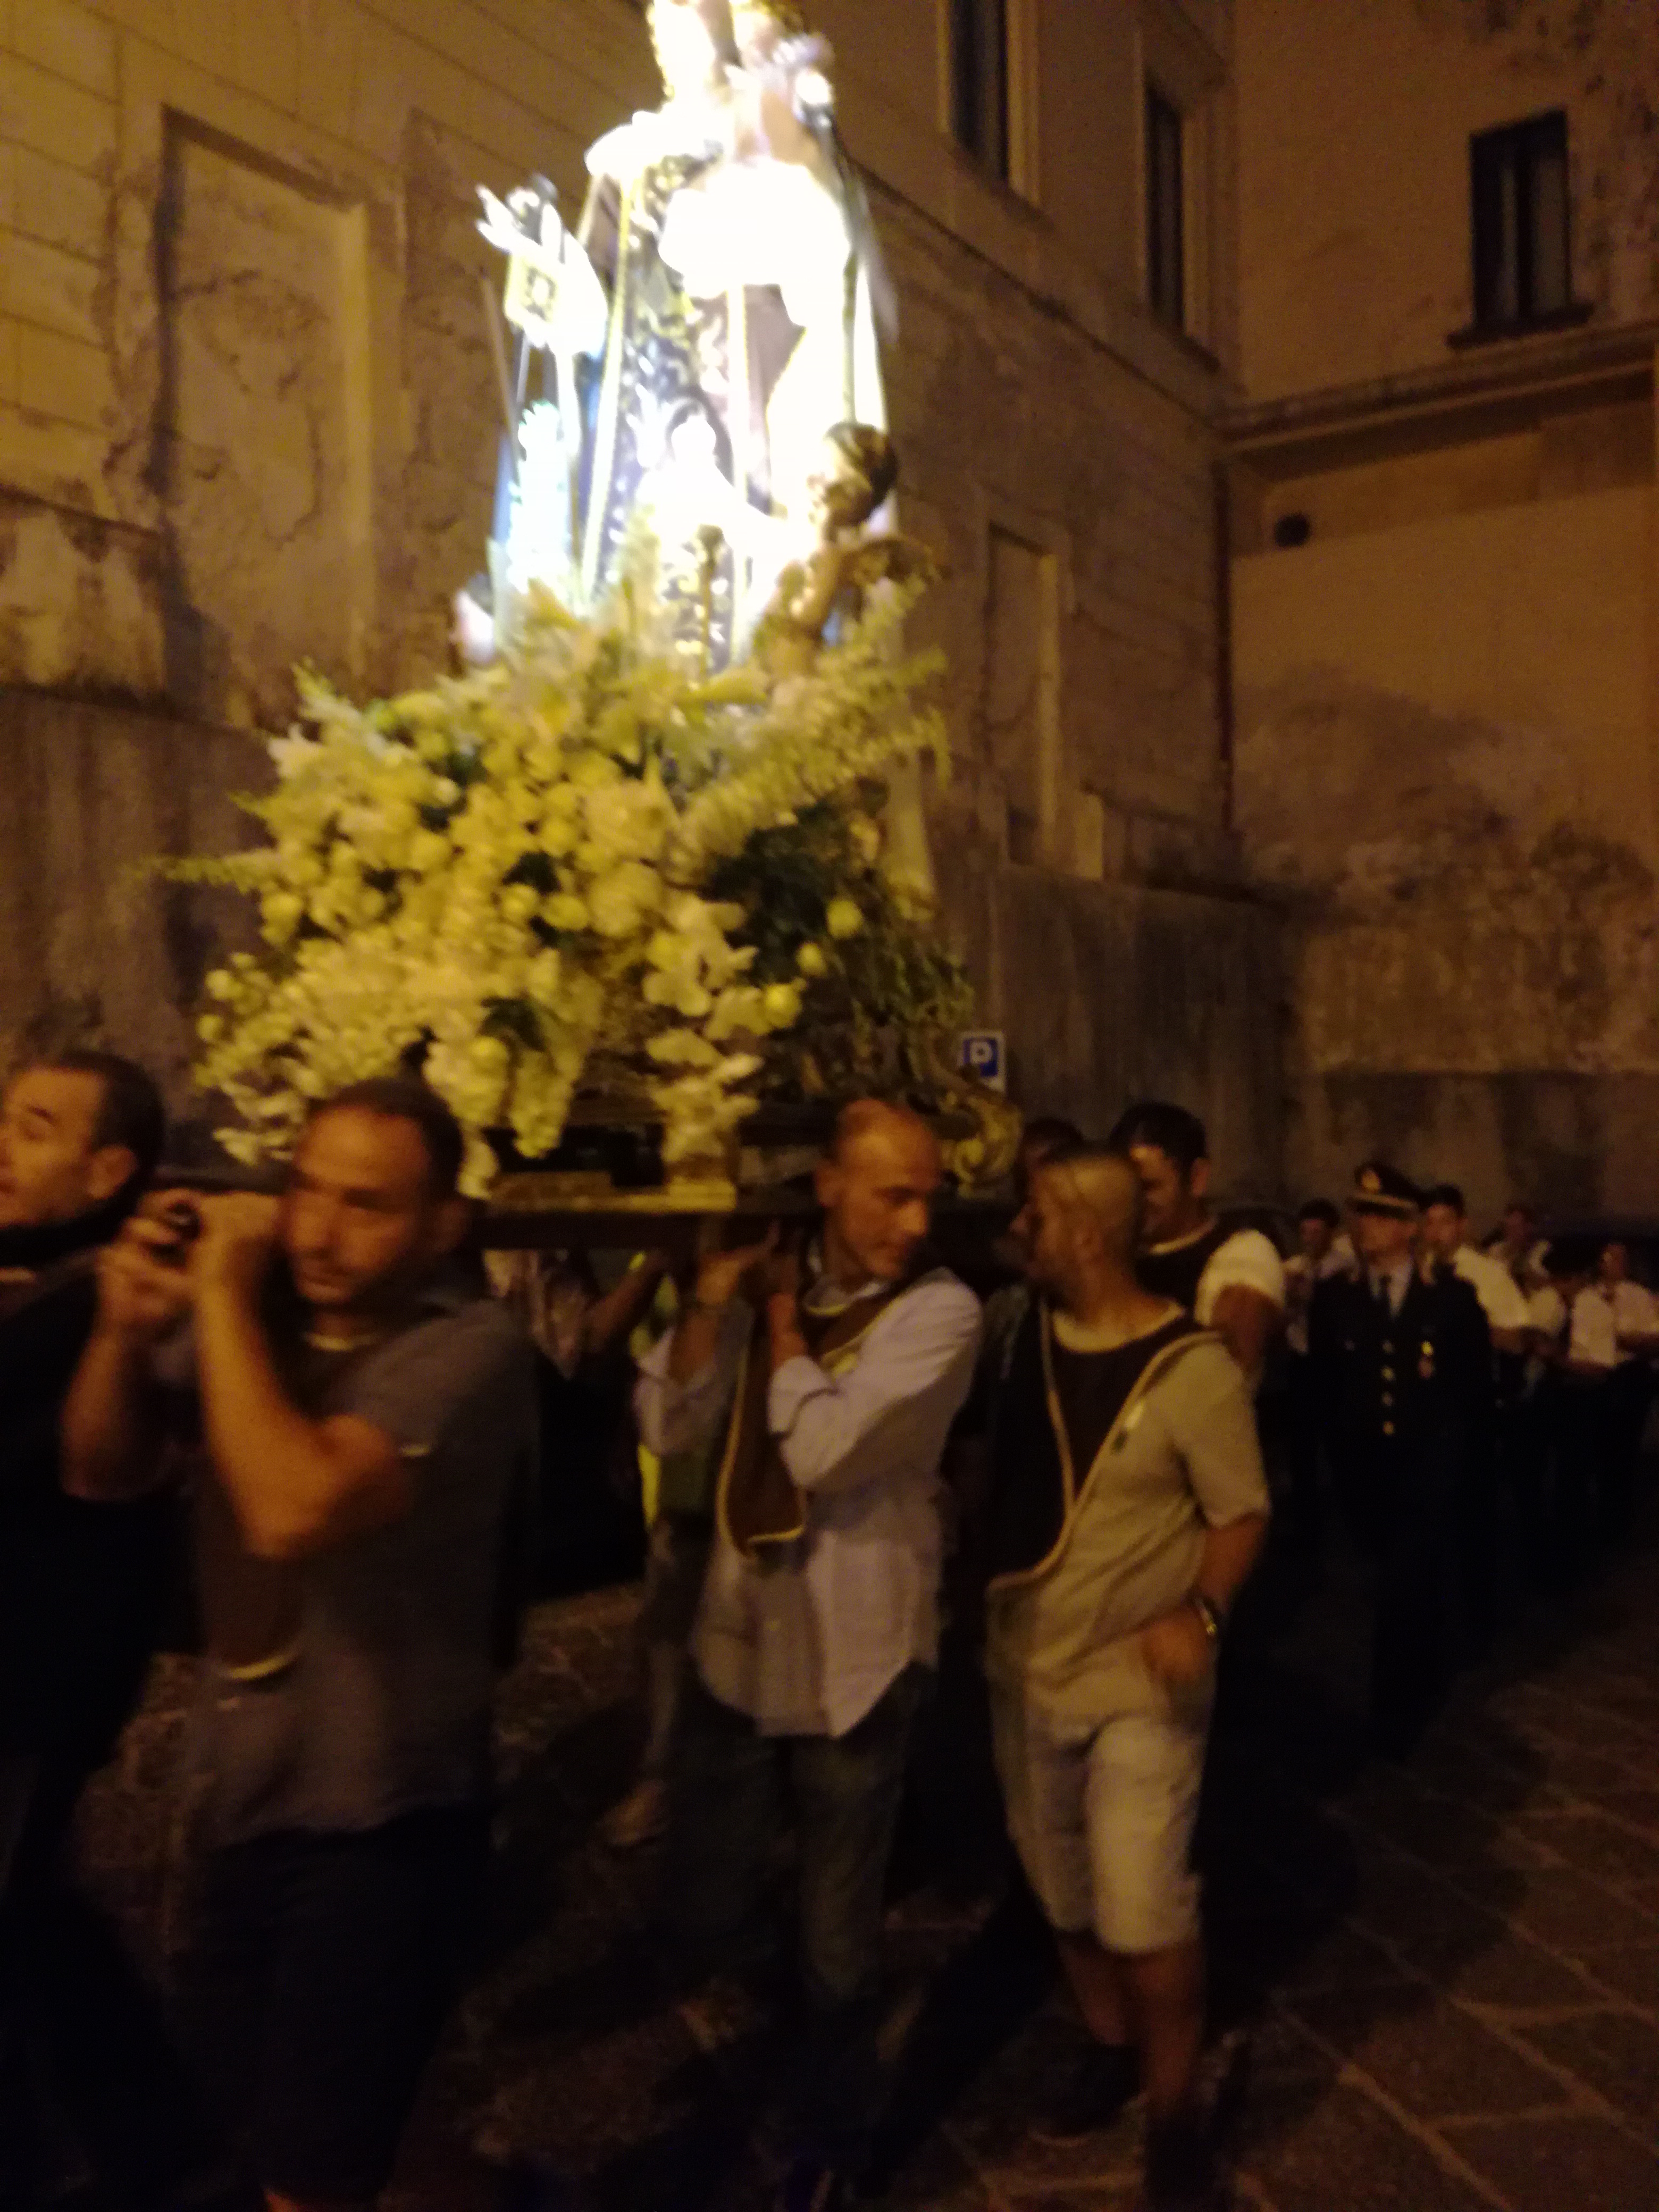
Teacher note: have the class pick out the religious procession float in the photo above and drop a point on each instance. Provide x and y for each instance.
(652, 872)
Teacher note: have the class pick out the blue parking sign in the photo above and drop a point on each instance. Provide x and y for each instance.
(985, 1057)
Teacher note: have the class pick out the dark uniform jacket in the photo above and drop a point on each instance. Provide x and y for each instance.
(1400, 1396)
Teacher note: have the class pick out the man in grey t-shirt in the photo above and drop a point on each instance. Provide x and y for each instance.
(363, 1417)
(1127, 1507)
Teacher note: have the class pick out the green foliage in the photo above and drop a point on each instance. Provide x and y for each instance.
(886, 1012)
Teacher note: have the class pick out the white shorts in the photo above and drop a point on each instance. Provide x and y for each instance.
(1102, 1821)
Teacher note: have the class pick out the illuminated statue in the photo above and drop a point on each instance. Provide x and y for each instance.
(709, 319)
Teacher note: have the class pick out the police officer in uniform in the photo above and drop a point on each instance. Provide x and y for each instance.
(1402, 1362)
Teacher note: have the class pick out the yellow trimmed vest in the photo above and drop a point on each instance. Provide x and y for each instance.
(756, 1502)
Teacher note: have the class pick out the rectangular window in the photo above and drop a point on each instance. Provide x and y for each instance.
(1166, 258)
(979, 82)
(1522, 266)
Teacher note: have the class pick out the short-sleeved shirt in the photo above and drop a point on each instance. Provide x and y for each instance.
(1093, 1388)
(1502, 1301)
(383, 1705)
(1246, 1261)
(1592, 1338)
(1185, 1461)
(1635, 1310)
(1527, 1268)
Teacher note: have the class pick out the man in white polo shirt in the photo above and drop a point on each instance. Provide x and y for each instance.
(1230, 1280)
(1445, 1234)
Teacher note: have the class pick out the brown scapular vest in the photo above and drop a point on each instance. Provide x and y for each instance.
(756, 1502)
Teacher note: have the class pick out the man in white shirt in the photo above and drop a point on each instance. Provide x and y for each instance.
(1635, 1310)
(1230, 1280)
(1323, 1250)
(1516, 1245)
(1572, 1325)
(1575, 1340)
(818, 1627)
(1445, 1235)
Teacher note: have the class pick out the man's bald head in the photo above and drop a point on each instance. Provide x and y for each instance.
(862, 1119)
(876, 1184)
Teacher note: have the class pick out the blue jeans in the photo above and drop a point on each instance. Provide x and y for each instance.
(728, 1784)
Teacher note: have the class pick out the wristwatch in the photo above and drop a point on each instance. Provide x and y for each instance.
(1211, 1614)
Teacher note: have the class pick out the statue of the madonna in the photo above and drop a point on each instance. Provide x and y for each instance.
(711, 317)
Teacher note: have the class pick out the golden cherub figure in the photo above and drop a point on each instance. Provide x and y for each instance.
(856, 477)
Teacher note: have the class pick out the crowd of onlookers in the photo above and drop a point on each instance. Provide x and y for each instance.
(1074, 1437)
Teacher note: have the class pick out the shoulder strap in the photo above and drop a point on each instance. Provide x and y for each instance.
(1171, 1344)
(831, 1338)
(756, 1504)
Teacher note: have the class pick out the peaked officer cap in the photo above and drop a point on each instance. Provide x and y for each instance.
(1380, 1189)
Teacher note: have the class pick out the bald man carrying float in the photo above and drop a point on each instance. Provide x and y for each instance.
(1127, 1506)
(829, 1390)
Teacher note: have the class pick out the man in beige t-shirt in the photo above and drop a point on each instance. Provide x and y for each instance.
(1127, 1506)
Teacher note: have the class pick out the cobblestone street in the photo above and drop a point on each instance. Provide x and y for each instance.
(1445, 1978)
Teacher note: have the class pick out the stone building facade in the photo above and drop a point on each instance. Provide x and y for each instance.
(247, 416)
(1446, 582)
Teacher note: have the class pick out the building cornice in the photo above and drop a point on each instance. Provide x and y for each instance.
(1479, 394)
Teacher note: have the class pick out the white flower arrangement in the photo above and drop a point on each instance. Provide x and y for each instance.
(502, 879)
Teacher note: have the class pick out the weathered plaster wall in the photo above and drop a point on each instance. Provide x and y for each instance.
(1019, 432)
(90, 944)
(80, 599)
(218, 331)
(1446, 768)
(1448, 678)
(1572, 1145)
(1353, 159)
(1114, 992)
(1502, 652)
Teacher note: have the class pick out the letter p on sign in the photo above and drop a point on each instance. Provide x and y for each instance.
(985, 1057)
